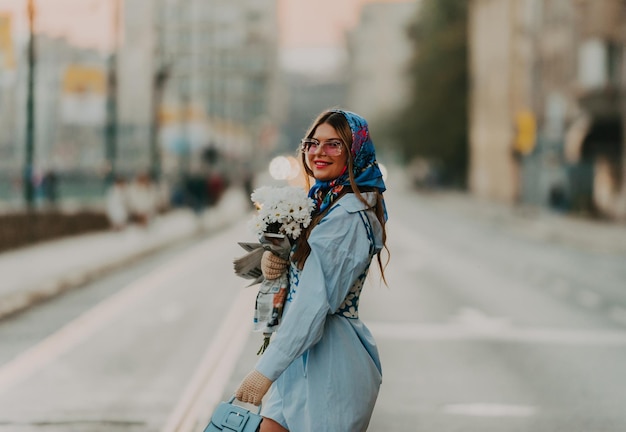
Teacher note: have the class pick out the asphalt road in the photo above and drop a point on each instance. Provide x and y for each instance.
(483, 327)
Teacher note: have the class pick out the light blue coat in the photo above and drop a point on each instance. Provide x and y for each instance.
(323, 359)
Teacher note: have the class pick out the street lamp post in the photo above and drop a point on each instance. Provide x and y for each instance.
(29, 192)
(159, 80)
(111, 105)
(622, 93)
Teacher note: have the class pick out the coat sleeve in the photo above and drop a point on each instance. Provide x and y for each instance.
(339, 254)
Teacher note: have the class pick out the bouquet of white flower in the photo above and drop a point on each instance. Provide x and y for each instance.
(283, 212)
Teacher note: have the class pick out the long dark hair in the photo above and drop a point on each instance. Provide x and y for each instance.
(340, 124)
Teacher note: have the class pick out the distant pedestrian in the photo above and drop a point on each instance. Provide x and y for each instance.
(216, 186)
(247, 178)
(558, 198)
(117, 204)
(322, 367)
(49, 186)
(142, 199)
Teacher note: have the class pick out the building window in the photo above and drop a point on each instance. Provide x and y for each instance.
(592, 62)
(598, 63)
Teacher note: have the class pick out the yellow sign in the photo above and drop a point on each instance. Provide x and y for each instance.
(6, 42)
(526, 135)
(83, 99)
(176, 114)
(80, 79)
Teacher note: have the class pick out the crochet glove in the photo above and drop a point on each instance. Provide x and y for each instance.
(272, 266)
(253, 388)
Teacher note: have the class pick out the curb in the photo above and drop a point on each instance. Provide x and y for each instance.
(15, 303)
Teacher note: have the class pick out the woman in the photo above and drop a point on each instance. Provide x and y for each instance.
(322, 364)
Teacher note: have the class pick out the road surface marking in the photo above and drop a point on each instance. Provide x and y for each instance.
(442, 332)
(490, 410)
(473, 318)
(209, 381)
(94, 319)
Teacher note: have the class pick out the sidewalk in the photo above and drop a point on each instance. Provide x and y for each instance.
(36, 273)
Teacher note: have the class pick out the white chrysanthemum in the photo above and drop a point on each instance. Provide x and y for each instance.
(292, 229)
(259, 195)
(289, 206)
(257, 225)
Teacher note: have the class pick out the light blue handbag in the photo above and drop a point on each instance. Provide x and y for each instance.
(228, 417)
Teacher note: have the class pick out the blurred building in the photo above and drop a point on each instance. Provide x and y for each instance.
(595, 141)
(136, 67)
(68, 105)
(493, 170)
(8, 97)
(546, 115)
(378, 55)
(64, 132)
(189, 75)
(307, 97)
(222, 85)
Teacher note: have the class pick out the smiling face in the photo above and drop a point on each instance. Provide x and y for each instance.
(324, 166)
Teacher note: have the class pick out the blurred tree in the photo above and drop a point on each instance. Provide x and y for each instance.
(434, 124)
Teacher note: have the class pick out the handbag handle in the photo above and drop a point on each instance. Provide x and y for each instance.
(232, 399)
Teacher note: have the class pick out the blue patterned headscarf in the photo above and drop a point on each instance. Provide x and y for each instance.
(365, 168)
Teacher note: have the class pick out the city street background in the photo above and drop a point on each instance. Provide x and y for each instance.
(493, 320)
(132, 133)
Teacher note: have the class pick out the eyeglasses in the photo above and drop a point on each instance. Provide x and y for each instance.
(330, 148)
